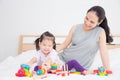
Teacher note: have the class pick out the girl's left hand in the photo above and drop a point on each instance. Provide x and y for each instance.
(46, 65)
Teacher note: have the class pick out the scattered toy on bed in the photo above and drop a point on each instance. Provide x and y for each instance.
(24, 71)
(54, 66)
(63, 71)
(38, 72)
(101, 71)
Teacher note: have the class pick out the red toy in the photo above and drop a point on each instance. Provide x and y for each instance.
(23, 71)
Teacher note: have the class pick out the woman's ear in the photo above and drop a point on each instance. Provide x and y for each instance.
(100, 22)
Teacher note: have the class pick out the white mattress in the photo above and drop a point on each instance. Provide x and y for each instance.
(10, 66)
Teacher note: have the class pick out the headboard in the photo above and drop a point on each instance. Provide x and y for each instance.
(115, 43)
(26, 42)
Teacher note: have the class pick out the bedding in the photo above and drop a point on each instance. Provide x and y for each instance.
(10, 66)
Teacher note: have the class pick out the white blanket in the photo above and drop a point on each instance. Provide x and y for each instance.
(10, 66)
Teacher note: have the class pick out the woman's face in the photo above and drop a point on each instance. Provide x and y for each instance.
(46, 46)
(90, 21)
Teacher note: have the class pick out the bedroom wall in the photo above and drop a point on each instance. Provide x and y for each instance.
(36, 16)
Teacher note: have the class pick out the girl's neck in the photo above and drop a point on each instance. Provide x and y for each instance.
(45, 54)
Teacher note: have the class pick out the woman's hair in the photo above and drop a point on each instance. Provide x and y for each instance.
(101, 17)
(45, 35)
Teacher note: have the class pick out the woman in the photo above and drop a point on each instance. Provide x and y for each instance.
(87, 38)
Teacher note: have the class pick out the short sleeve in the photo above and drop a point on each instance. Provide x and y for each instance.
(55, 58)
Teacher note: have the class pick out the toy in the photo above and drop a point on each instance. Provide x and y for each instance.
(101, 71)
(37, 68)
(76, 72)
(24, 71)
(40, 72)
(63, 71)
(54, 66)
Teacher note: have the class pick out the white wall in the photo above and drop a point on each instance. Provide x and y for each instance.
(36, 16)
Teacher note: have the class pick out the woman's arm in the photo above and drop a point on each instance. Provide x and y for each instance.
(67, 41)
(104, 51)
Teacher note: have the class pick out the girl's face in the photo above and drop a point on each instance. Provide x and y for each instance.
(46, 46)
(90, 21)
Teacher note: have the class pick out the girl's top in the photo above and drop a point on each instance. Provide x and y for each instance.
(83, 47)
(41, 58)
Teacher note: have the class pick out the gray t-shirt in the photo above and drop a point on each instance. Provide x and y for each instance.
(84, 46)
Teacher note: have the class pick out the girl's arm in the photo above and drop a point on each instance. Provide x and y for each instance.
(67, 41)
(32, 61)
(104, 51)
(48, 61)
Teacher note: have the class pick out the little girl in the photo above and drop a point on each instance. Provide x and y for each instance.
(46, 54)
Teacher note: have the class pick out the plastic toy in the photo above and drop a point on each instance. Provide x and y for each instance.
(37, 68)
(53, 69)
(24, 71)
(54, 66)
(40, 72)
(76, 72)
(101, 71)
(63, 71)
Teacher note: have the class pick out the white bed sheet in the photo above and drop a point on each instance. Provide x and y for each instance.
(10, 66)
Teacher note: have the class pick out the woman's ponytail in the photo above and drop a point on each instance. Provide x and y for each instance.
(105, 26)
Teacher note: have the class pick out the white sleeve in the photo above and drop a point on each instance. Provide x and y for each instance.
(55, 58)
(37, 56)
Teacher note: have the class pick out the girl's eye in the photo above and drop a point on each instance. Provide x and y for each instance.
(44, 45)
(92, 22)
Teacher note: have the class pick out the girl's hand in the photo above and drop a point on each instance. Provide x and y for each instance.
(46, 65)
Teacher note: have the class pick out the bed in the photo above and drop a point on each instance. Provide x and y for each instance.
(26, 50)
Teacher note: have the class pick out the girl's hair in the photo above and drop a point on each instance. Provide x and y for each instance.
(45, 35)
(101, 17)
